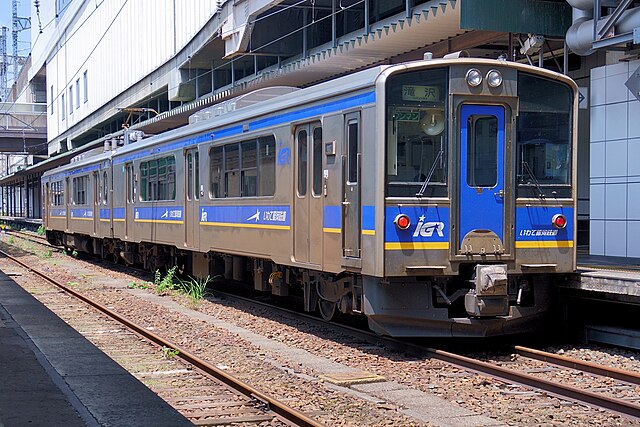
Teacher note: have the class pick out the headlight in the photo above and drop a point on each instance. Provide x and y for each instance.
(474, 78)
(494, 78)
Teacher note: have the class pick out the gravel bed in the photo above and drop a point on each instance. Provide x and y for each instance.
(227, 351)
(295, 383)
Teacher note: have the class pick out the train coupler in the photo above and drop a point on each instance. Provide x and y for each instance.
(489, 298)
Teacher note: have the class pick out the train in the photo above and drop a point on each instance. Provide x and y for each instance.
(435, 197)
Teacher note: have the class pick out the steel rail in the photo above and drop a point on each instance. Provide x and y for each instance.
(593, 368)
(563, 391)
(569, 392)
(279, 408)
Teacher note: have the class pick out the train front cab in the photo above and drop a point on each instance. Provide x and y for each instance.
(479, 206)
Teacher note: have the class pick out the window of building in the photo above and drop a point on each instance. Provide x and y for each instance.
(80, 185)
(62, 110)
(70, 100)
(52, 103)
(77, 93)
(244, 169)
(61, 5)
(158, 179)
(86, 86)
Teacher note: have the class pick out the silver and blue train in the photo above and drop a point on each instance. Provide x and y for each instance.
(436, 198)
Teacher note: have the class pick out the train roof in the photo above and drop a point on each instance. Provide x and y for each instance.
(339, 87)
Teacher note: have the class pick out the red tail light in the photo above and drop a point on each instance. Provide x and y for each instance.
(559, 221)
(402, 221)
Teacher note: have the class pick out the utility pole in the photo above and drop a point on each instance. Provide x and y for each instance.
(19, 24)
(4, 89)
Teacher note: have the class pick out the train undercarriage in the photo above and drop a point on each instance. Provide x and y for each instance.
(482, 301)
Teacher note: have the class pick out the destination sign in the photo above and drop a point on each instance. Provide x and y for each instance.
(420, 93)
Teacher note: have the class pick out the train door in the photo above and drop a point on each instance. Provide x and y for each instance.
(307, 245)
(130, 200)
(351, 211)
(67, 192)
(482, 158)
(107, 197)
(46, 205)
(97, 194)
(191, 197)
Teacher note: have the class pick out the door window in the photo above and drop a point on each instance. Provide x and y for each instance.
(482, 151)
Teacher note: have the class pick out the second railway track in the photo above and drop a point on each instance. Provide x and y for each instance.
(628, 406)
(209, 396)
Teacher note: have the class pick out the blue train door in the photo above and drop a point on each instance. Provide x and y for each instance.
(482, 148)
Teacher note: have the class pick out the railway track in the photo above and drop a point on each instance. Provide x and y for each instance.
(209, 396)
(568, 392)
(505, 374)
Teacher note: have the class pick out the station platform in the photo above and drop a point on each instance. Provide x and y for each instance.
(612, 276)
(52, 376)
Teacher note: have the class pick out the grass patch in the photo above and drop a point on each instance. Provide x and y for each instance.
(169, 353)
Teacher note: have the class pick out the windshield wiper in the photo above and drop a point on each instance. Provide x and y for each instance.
(533, 178)
(426, 181)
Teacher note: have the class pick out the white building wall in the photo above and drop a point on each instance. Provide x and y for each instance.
(116, 42)
(615, 163)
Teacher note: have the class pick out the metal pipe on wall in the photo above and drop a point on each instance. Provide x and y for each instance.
(581, 34)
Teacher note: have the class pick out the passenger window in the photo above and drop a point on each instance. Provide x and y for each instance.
(267, 170)
(232, 170)
(249, 169)
(215, 172)
(317, 161)
(302, 163)
(158, 179)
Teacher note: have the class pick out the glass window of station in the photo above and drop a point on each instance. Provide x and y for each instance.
(416, 132)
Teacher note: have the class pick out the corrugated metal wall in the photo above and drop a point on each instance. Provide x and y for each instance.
(117, 43)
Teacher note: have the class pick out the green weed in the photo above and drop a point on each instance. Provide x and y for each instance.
(47, 254)
(166, 283)
(134, 285)
(168, 352)
(12, 240)
(195, 287)
(41, 230)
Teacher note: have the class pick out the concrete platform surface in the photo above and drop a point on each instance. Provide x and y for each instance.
(52, 376)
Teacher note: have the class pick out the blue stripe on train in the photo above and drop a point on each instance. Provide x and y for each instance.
(247, 215)
(428, 224)
(533, 223)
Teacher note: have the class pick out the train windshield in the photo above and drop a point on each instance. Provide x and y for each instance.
(543, 136)
(416, 133)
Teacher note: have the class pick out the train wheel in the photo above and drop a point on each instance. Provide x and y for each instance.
(327, 309)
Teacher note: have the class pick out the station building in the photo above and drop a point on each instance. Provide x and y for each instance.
(148, 65)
